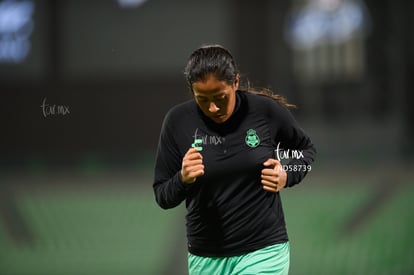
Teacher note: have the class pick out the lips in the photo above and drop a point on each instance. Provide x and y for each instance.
(219, 118)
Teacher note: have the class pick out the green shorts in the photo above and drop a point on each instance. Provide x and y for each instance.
(272, 259)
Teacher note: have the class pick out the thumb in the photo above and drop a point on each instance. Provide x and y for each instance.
(271, 162)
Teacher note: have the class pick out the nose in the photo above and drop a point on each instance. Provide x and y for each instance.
(213, 108)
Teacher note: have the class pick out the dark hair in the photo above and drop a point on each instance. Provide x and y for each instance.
(211, 59)
(216, 60)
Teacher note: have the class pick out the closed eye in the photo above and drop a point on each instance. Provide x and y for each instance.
(202, 99)
(217, 98)
(220, 98)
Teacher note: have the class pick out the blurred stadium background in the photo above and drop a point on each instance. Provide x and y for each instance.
(84, 88)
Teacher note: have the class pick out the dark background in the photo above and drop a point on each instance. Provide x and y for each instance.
(118, 70)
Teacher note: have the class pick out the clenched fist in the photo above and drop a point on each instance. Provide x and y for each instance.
(192, 166)
(273, 178)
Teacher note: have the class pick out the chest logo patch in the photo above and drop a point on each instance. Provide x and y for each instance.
(252, 139)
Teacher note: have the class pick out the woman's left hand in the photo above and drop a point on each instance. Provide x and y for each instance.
(273, 178)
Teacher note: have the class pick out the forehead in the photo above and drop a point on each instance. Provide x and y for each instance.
(210, 86)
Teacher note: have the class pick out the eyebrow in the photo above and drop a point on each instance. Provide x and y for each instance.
(215, 94)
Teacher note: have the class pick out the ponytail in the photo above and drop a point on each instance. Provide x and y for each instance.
(268, 93)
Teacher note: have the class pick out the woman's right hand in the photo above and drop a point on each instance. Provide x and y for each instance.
(192, 166)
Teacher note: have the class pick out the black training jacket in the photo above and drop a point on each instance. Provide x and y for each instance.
(228, 212)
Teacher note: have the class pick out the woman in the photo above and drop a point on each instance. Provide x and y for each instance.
(221, 153)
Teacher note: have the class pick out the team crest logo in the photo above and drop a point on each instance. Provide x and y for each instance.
(252, 139)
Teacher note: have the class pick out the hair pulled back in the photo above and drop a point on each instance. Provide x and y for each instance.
(217, 61)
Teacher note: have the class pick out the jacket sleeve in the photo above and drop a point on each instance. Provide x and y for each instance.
(169, 190)
(293, 142)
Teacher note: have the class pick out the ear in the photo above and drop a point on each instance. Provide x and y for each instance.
(236, 82)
